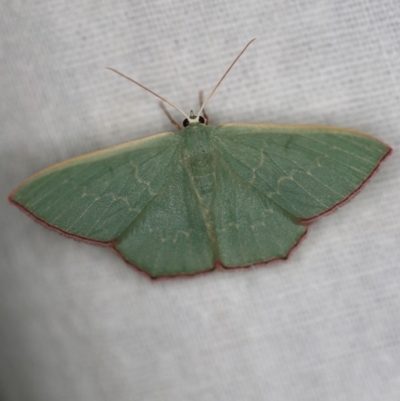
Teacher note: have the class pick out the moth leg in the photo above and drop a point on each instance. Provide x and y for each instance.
(164, 109)
(205, 115)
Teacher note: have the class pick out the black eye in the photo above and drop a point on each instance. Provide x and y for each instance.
(185, 122)
(201, 120)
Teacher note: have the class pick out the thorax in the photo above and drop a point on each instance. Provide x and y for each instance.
(198, 157)
(197, 152)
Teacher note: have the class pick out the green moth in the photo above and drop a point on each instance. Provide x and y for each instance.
(185, 202)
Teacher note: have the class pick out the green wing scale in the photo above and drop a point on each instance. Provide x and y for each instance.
(281, 176)
(179, 204)
(250, 227)
(306, 170)
(170, 237)
(96, 196)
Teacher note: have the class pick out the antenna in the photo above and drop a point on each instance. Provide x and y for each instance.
(223, 76)
(169, 102)
(149, 90)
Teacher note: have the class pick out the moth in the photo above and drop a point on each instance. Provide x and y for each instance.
(180, 203)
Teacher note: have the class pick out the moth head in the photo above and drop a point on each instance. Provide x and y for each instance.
(193, 120)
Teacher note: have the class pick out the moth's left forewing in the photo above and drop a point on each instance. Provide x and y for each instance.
(306, 170)
(95, 196)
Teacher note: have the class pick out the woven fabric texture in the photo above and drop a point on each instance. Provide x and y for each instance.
(76, 323)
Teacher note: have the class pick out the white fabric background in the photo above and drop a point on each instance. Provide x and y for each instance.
(77, 324)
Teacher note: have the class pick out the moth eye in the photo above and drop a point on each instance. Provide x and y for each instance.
(201, 120)
(185, 122)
